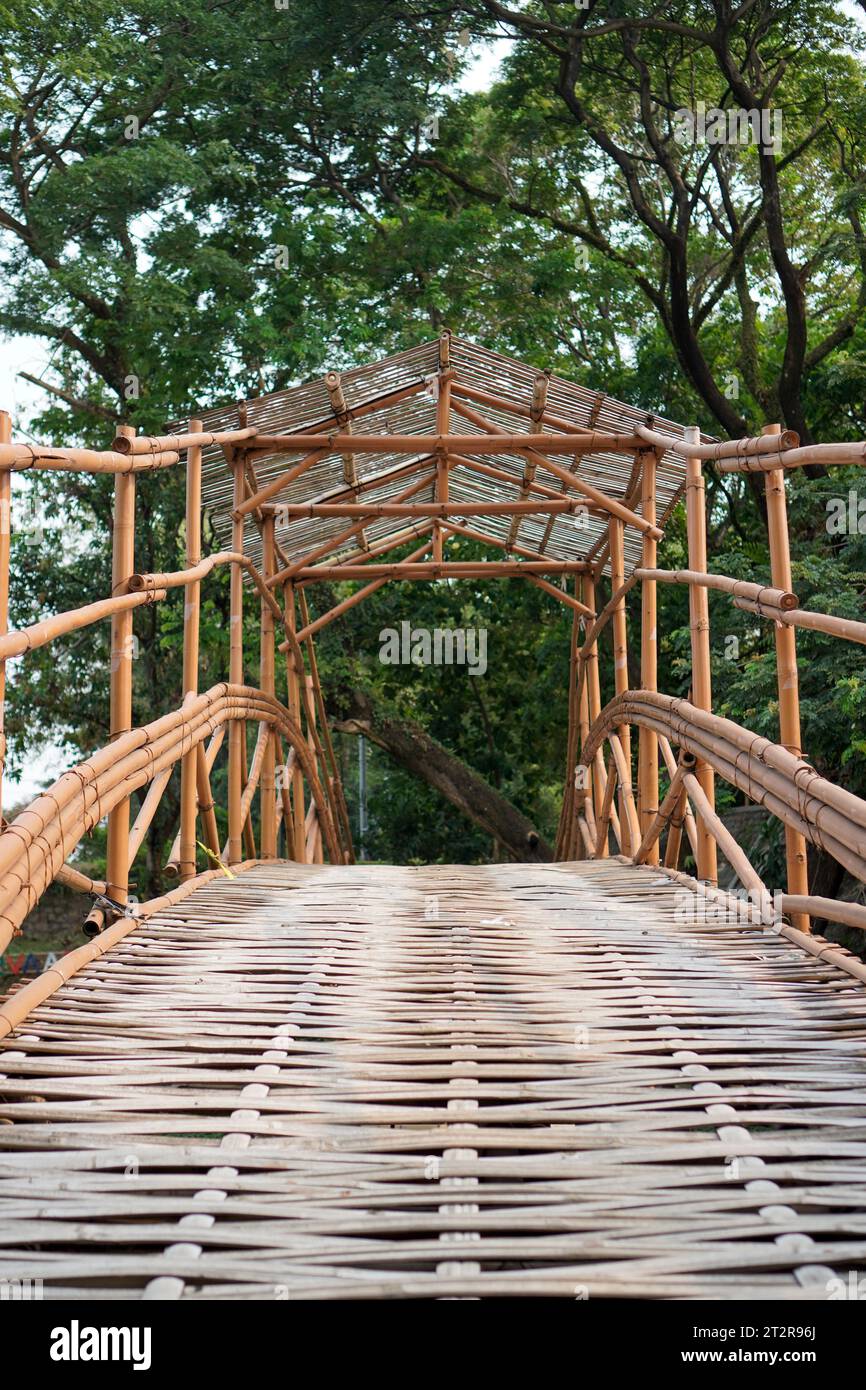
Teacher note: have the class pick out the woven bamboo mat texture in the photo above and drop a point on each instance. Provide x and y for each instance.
(373, 1082)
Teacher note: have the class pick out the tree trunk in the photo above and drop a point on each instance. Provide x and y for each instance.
(414, 749)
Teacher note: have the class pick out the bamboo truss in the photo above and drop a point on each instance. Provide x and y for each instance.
(337, 490)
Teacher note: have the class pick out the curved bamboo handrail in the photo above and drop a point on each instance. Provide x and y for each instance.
(27, 639)
(38, 841)
(828, 815)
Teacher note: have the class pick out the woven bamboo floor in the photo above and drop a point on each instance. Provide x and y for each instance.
(438, 1082)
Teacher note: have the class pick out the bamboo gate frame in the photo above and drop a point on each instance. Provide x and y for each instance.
(293, 771)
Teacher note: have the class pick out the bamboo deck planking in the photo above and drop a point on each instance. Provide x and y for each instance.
(378, 1082)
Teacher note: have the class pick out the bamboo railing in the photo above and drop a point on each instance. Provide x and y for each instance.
(293, 779)
(774, 775)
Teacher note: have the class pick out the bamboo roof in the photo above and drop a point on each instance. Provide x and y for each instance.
(302, 408)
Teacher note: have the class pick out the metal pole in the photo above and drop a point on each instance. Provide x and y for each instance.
(362, 797)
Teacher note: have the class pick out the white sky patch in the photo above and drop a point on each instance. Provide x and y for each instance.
(483, 69)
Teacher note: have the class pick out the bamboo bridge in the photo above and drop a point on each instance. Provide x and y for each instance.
(297, 1076)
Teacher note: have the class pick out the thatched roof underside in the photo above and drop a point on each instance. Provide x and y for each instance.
(302, 408)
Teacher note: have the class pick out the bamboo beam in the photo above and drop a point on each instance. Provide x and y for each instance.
(536, 488)
(676, 821)
(821, 455)
(191, 622)
(481, 443)
(685, 815)
(266, 446)
(295, 511)
(484, 538)
(630, 830)
(337, 781)
(149, 808)
(738, 861)
(620, 652)
(289, 572)
(476, 569)
(285, 511)
(28, 639)
(392, 542)
(474, 393)
(293, 679)
(20, 457)
(601, 846)
(737, 588)
(787, 675)
(588, 656)
(736, 449)
(168, 443)
(267, 683)
(205, 759)
(498, 443)
(236, 671)
(120, 686)
(573, 797)
(648, 751)
(333, 384)
(264, 494)
(660, 818)
(847, 628)
(699, 622)
(353, 599)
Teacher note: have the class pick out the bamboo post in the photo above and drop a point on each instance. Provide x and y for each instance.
(648, 748)
(593, 686)
(293, 677)
(601, 849)
(191, 621)
(570, 802)
(5, 554)
(620, 655)
(236, 670)
(120, 689)
(786, 671)
(267, 683)
(443, 427)
(699, 622)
